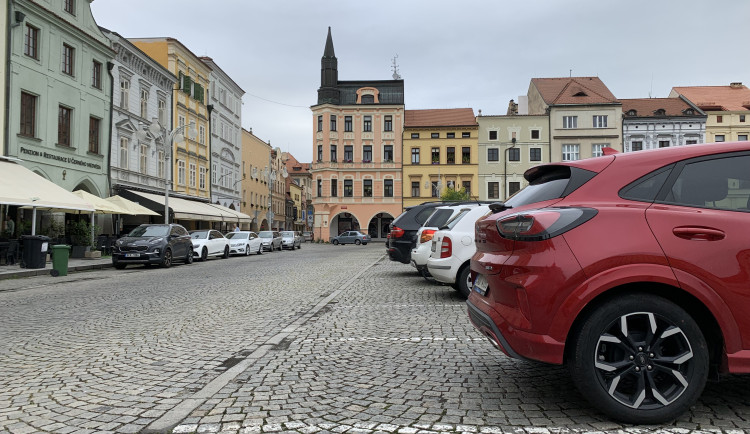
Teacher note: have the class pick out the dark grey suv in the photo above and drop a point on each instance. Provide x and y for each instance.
(153, 245)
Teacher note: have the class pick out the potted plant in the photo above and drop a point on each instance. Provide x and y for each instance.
(80, 234)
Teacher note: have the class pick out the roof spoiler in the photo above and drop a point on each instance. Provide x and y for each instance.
(609, 151)
(499, 206)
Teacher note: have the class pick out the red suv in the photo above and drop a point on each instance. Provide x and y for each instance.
(632, 269)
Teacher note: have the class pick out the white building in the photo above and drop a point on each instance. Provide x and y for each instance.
(142, 92)
(651, 123)
(225, 105)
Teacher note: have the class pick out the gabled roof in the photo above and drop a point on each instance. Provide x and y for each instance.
(294, 167)
(463, 117)
(573, 90)
(650, 107)
(735, 97)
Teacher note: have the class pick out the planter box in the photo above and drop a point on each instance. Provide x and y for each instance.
(79, 251)
(93, 254)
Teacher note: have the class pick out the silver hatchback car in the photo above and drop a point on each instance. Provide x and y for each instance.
(271, 240)
(291, 240)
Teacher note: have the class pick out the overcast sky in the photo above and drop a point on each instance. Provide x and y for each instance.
(451, 54)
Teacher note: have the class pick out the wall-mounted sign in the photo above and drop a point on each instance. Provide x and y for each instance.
(61, 158)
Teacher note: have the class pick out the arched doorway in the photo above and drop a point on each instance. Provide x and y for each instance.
(264, 225)
(379, 226)
(343, 222)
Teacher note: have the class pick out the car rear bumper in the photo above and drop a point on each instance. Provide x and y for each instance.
(443, 270)
(399, 251)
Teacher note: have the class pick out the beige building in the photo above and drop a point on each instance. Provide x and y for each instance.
(584, 116)
(300, 173)
(255, 189)
(440, 152)
(190, 158)
(508, 146)
(727, 108)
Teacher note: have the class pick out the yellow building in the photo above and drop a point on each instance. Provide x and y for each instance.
(255, 156)
(295, 194)
(727, 107)
(190, 158)
(439, 152)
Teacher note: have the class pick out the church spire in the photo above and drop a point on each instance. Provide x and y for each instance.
(329, 74)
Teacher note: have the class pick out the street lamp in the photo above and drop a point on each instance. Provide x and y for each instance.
(168, 138)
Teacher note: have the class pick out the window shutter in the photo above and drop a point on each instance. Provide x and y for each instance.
(186, 84)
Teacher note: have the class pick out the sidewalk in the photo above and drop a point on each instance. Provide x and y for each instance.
(15, 271)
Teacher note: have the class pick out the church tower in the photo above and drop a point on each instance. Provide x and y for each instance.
(328, 92)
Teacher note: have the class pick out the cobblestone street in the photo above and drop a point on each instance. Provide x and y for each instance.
(322, 339)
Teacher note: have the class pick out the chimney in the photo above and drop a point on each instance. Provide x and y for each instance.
(736, 85)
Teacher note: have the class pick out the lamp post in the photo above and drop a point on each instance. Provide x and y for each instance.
(168, 139)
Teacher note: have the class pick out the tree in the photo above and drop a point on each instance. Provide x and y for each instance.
(451, 194)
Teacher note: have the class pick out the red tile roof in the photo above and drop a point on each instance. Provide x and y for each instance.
(717, 98)
(646, 107)
(573, 90)
(462, 117)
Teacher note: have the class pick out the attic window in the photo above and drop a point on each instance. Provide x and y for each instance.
(631, 112)
(368, 99)
(660, 112)
(689, 112)
(580, 93)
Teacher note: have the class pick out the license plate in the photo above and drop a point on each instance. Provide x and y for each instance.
(132, 255)
(480, 284)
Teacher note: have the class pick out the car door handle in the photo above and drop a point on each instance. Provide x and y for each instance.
(699, 234)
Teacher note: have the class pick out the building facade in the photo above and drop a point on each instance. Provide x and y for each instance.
(439, 152)
(356, 173)
(143, 94)
(276, 176)
(300, 174)
(651, 123)
(225, 96)
(295, 215)
(584, 116)
(727, 109)
(508, 146)
(190, 158)
(59, 93)
(255, 190)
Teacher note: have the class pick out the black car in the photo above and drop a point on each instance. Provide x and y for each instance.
(404, 228)
(153, 245)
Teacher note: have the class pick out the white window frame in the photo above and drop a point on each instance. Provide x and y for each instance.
(570, 122)
(600, 121)
(192, 174)
(161, 165)
(202, 177)
(124, 93)
(162, 111)
(597, 149)
(142, 159)
(571, 152)
(144, 103)
(181, 172)
(124, 143)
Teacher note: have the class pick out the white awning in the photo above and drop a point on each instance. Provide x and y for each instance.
(184, 209)
(238, 216)
(132, 208)
(22, 187)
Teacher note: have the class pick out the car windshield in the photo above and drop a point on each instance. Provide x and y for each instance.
(150, 231)
(266, 234)
(237, 235)
(197, 235)
(287, 234)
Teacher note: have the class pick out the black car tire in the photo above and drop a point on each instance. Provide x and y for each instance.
(639, 358)
(357, 242)
(189, 257)
(364, 244)
(462, 284)
(335, 242)
(204, 254)
(226, 253)
(166, 261)
(260, 249)
(247, 250)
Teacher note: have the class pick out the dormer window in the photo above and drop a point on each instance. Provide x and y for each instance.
(632, 112)
(689, 112)
(368, 99)
(580, 93)
(660, 112)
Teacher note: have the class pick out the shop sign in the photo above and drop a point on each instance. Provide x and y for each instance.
(61, 158)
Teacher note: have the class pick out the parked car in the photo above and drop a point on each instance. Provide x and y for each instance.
(630, 268)
(209, 242)
(351, 237)
(153, 245)
(291, 240)
(244, 243)
(271, 240)
(453, 246)
(402, 230)
(308, 236)
(423, 249)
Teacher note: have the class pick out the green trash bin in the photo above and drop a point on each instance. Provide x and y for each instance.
(60, 254)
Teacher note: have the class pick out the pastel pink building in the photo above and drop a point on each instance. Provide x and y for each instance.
(356, 170)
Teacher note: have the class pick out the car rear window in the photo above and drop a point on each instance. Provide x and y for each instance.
(457, 218)
(438, 218)
(423, 215)
(550, 182)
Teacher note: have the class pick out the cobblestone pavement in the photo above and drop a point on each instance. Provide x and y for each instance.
(323, 339)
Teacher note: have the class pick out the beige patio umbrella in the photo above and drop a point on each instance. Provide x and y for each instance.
(130, 207)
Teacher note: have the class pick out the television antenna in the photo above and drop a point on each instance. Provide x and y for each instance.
(396, 75)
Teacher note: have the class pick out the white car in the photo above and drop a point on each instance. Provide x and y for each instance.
(244, 243)
(453, 247)
(439, 217)
(209, 242)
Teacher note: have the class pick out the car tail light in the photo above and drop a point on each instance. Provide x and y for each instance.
(543, 224)
(446, 248)
(426, 235)
(397, 232)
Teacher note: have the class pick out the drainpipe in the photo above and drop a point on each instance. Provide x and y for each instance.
(110, 67)
(505, 171)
